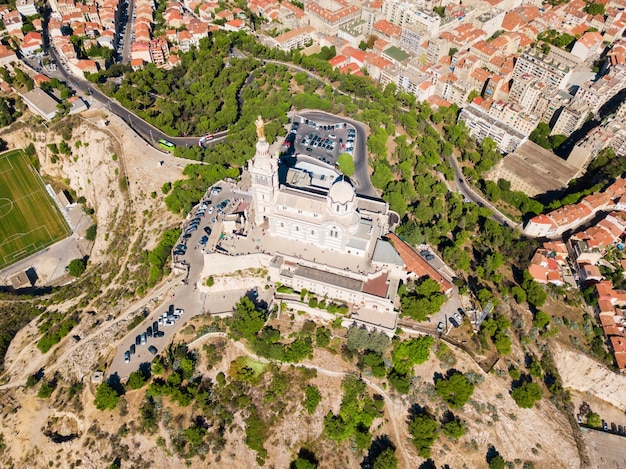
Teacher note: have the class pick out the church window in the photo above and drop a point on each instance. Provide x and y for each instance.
(297, 228)
(313, 232)
(282, 225)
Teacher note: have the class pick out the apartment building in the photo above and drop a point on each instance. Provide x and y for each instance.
(571, 118)
(482, 125)
(295, 39)
(327, 16)
(489, 21)
(533, 63)
(412, 37)
(159, 51)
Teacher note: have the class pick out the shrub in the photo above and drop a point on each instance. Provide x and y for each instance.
(526, 395)
(46, 389)
(90, 234)
(312, 398)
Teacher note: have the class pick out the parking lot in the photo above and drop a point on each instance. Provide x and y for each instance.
(324, 140)
(148, 339)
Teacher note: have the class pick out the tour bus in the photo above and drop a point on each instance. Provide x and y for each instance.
(166, 145)
(204, 139)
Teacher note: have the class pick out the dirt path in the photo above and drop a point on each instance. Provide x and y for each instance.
(389, 404)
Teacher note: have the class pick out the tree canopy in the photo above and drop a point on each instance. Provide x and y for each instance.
(106, 397)
(526, 395)
(76, 267)
(456, 390)
(424, 430)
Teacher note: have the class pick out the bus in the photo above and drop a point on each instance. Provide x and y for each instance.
(166, 145)
(204, 139)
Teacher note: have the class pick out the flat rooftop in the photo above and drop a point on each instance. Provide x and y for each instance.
(539, 168)
(328, 277)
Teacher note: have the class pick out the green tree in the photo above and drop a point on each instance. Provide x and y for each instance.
(386, 460)
(526, 395)
(541, 320)
(322, 337)
(247, 320)
(456, 390)
(412, 352)
(90, 234)
(454, 428)
(312, 398)
(46, 389)
(345, 163)
(594, 420)
(106, 397)
(497, 462)
(136, 380)
(76, 267)
(424, 430)
(595, 8)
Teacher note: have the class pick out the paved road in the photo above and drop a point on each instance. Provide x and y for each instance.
(147, 131)
(185, 296)
(361, 173)
(466, 190)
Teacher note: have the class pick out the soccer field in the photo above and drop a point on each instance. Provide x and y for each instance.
(29, 219)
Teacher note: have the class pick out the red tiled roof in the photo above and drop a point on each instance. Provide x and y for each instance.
(377, 286)
(415, 264)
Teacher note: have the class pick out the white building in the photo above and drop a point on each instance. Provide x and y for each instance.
(320, 211)
(26, 7)
(482, 125)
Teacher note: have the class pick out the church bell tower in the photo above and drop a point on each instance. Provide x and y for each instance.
(263, 169)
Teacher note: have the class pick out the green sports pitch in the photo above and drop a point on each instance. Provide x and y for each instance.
(29, 219)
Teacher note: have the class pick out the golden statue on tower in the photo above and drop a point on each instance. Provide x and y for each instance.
(260, 130)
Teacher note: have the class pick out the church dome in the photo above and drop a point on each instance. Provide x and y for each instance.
(341, 192)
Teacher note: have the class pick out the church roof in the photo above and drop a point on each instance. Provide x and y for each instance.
(341, 192)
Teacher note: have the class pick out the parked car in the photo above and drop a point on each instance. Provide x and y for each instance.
(454, 322)
(169, 322)
(429, 257)
(179, 311)
(207, 230)
(138, 340)
(440, 327)
(126, 357)
(132, 349)
(149, 332)
(144, 338)
(153, 350)
(155, 326)
(458, 317)
(216, 190)
(178, 252)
